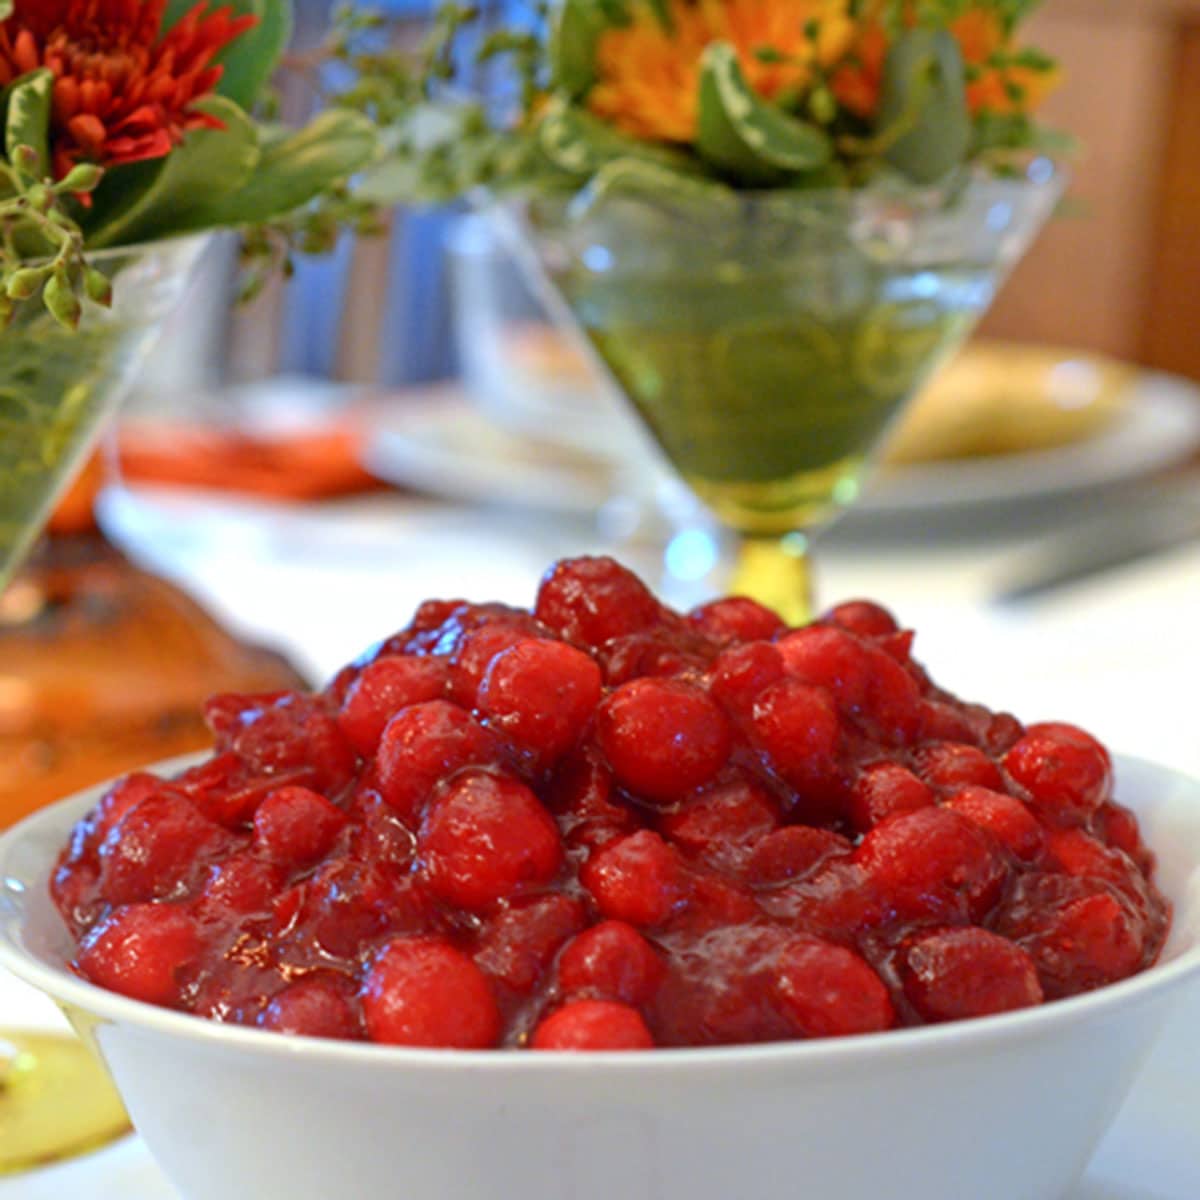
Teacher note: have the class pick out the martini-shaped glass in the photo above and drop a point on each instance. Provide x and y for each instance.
(769, 339)
(57, 387)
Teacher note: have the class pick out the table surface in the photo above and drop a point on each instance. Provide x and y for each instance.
(1117, 654)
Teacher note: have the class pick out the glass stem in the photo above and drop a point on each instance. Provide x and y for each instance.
(777, 572)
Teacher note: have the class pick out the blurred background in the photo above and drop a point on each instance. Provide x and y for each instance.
(1118, 274)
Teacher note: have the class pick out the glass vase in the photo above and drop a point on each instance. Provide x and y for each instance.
(768, 340)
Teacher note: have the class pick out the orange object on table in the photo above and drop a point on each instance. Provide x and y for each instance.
(300, 465)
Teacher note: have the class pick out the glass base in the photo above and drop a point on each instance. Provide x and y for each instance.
(56, 1101)
(777, 572)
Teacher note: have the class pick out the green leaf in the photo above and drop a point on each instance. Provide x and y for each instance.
(631, 176)
(28, 119)
(295, 169)
(581, 144)
(924, 100)
(251, 59)
(744, 135)
(178, 193)
(575, 29)
(6, 9)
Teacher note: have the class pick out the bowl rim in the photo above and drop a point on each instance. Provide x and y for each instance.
(928, 1040)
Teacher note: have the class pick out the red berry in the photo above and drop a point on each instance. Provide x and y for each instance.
(662, 737)
(484, 839)
(284, 732)
(1066, 772)
(142, 951)
(296, 826)
(1004, 817)
(637, 879)
(862, 617)
(593, 1025)
(476, 653)
(826, 991)
(865, 680)
(719, 825)
(242, 886)
(589, 600)
(159, 849)
(741, 673)
(885, 789)
(931, 863)
(581, 795)
(953, 974)
(613, 961)
(792, 852)
(639, 655)
(518, 943)
(423, 745)
(541, 694)
(737, 619)
(422, 992)
(382, 689)
(953, 765)
(797, 726)
(315, 1006)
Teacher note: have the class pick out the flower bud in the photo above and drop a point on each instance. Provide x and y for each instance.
(98, 287)
(59, 297)
(81, 178)
(25, 283)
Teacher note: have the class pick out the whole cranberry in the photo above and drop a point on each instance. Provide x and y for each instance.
(541, 694)
(720, 825)
(424, 745)
(1008, 820)
(662, 737)
(737, 619)
(638, 879)
(827, 991)
(382, 689)
(933, 862)
(742, 673)
(593, 1025)
(318, 1005)
(589, 600)
(797, 726)
(953, 765)
(612, 961)
(863, 617)
(484, 839)
(885, 789)
(141, 951)
(1066, 771)
(792, 852)
(296, 826)
(420, 991)
(952, 974)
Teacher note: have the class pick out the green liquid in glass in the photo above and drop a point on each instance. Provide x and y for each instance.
(766, 398)
(55, 389)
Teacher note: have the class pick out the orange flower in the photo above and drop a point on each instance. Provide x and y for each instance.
(648, 76)
(999, 83)
(1003, 86)
(121, 93)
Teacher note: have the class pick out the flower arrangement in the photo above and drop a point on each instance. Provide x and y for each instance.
(131, 121)
(654, 95)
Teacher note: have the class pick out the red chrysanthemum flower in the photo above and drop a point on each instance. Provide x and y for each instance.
(122, 92)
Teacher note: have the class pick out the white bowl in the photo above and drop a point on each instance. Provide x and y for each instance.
(1003, 1108)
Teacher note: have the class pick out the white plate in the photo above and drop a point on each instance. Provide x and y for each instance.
(449, 449)
(1159, 428)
